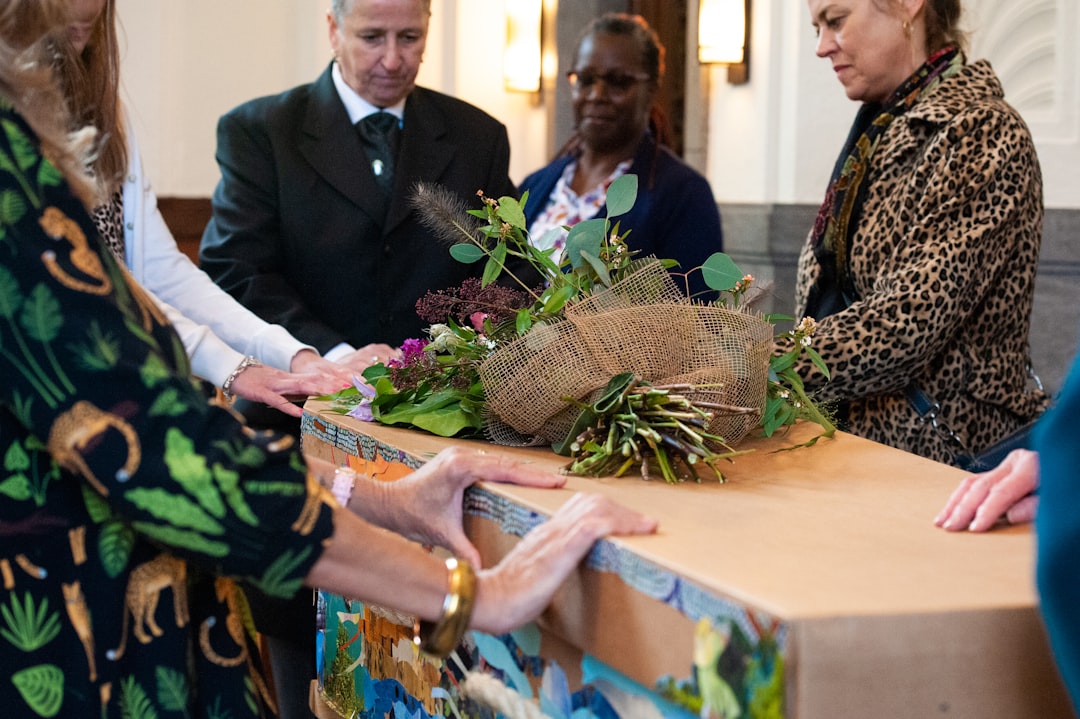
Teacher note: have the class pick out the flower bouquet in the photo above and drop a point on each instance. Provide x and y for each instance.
(587, 348)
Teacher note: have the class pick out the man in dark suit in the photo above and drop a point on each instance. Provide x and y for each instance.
(300, 233)
(304, 234)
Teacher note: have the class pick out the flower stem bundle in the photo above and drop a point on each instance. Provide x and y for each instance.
(653, 427)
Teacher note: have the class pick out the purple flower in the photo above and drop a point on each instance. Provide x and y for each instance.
(412, 351)
(362, 411)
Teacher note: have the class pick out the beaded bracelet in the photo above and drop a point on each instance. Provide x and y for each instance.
(440, 638)
(226, 386)
(342, 488)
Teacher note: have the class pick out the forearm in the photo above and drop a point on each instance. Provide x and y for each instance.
(375, 565)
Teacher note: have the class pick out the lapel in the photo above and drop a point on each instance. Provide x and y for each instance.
(331, 144)
(425, 153)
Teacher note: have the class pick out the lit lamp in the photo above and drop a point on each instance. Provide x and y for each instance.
(521, 57)
(724, 36)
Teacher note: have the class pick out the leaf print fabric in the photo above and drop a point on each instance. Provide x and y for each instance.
(131, 510)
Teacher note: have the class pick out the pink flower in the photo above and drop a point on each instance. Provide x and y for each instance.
(412, 351)
(477, 320)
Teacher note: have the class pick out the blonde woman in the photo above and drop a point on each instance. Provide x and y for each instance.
(131, 506)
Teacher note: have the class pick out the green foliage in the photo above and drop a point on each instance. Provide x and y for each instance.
(788, 400)
(721, 273)
(114, 547)
(168, 404)
(153, 371)
(229, 481)
(25, 479)
(174, 508)
(633, 423)
(276, 581)
(12, 207)
(340, 686)
(42, 688)
(190, 471)
(41, 317)
(21, 407)
(183, 538)
(134, 701)
(23, 151)
(101, 352)
(16, 462)
(172, 689)
(28, 626)
(10, 294)
(657, 429)
(16, 486)
(241, 453)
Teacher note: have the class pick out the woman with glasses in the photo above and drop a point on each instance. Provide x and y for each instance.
(619, 129)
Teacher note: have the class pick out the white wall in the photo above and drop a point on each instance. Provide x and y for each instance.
(186, 63)
(773, 140)
(776, 138)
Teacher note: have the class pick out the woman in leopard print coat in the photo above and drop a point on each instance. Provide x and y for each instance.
(921, 267)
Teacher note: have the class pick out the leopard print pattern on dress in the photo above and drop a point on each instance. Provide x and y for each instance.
(944, 260)
(109, 220)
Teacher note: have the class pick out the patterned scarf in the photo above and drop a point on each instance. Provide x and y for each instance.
(839, 214)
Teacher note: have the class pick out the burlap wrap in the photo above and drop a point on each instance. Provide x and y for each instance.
(642, 324)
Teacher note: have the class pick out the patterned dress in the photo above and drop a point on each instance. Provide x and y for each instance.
(131, 511)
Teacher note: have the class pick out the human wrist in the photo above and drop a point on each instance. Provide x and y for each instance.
(343, 484)
(226, 386)
(442, 636)
(302, 360)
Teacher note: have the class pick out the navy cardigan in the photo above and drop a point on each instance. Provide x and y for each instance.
(675, 216)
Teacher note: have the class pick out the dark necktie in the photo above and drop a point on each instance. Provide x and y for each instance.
(379, 134)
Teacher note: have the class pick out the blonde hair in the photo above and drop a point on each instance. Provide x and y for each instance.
(90, 81)
(28, 84)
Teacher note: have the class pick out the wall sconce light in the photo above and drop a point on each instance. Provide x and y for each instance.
(724, 36)
(522, 55)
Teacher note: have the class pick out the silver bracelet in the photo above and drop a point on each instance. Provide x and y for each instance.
(226, 386)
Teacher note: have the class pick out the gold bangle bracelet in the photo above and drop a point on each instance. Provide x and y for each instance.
(440, 638)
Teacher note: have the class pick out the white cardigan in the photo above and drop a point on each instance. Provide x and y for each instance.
(217, 331)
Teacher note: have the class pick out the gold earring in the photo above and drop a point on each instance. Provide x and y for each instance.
(907, 27)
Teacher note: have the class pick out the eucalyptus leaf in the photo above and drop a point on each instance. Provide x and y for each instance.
(720, 272)
(585, 237)
(465, 253)
(621, 195)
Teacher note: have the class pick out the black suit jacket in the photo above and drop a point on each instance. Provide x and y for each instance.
(295, 236)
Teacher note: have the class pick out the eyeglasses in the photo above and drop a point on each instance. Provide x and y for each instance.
(613, 81)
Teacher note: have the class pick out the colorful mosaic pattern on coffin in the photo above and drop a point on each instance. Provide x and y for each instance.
(369, 667)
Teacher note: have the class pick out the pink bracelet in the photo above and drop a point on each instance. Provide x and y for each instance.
(342, 488)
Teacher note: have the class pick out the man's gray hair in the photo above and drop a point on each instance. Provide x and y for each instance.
(341, 8)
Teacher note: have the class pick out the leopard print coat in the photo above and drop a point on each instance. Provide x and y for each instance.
(944, 260)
